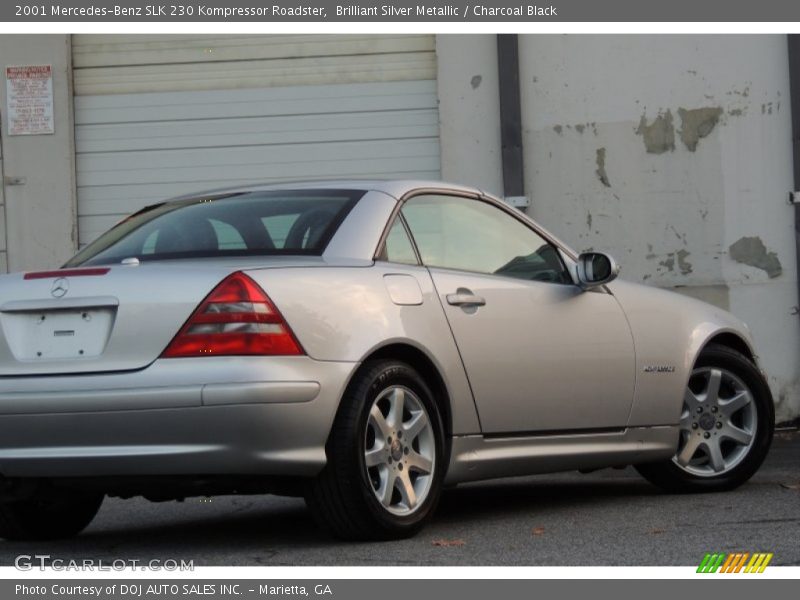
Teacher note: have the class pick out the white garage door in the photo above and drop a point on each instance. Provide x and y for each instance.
(157, 116)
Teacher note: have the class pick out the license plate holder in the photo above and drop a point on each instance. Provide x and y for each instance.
(59, 334)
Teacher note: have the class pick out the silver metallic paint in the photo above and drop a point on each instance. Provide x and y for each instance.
(476, 457)
(128, 412)
(579, 356)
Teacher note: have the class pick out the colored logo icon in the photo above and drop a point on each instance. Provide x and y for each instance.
(737, 562)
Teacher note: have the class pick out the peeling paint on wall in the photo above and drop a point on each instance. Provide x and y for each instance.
(668, 263)
(752, 251)
(684, 265)
(658, 136)
(697, 123)
(601, 167)
(679, 257)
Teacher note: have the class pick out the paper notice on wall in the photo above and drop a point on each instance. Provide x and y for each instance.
(29, 97)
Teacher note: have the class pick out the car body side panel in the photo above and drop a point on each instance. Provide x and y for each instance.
(474, 458)
(347, 313)
(669, 331)
(541, 356)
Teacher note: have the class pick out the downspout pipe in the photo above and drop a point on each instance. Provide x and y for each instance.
(511, 120)
(794, 197)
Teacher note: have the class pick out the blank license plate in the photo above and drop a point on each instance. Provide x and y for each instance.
(47, 335)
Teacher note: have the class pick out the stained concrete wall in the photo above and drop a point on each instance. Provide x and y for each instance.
(673, 153)
(41, 214)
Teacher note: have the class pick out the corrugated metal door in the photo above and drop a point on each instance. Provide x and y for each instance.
(157, 116)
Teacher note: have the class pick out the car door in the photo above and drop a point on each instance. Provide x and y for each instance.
(541, 354)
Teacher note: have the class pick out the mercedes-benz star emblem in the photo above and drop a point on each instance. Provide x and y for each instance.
(60, 287)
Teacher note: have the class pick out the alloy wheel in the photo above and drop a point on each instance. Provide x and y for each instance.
(718, 423)
(399, 450)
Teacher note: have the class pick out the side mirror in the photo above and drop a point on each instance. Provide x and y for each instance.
(596, 268)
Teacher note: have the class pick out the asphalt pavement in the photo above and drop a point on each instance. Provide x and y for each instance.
(609, 517)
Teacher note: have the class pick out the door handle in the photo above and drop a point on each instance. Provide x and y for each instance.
(465, 298)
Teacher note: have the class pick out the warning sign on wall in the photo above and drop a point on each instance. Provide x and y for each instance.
(29, 96)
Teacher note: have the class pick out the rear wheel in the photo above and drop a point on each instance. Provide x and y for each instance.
(386, 457)
(726, 426)
(51, 513)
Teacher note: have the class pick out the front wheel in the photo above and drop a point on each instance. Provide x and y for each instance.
(726, 426)
(386, 457)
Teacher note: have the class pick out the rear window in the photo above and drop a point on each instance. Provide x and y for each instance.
(257, 223)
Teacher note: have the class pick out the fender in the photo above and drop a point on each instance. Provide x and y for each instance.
(669, 332)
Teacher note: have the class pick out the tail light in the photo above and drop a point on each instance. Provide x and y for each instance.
(236, 318)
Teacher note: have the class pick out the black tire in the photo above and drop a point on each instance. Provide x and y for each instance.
(672, 478)
(51, 513)
(342, 498)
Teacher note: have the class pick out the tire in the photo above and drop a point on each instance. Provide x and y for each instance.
(349, 497)
(51, 513)
(705, 425)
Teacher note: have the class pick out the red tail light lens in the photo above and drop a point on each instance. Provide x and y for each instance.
(237, 318)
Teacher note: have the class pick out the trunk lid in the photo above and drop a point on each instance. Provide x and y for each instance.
(119, 319)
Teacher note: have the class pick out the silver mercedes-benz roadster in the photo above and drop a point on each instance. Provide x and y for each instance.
(363, 344)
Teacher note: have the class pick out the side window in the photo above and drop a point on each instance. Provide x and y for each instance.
(398, 248)
(471, 235)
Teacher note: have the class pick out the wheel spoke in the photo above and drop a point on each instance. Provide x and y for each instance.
(388, 479)
(397, 401)
(419, 463)
(375, 457)
(689, 450)
(738, 435)
(715, 455)
(377, 419)
(735, 404)
(418, 422)
(690, 400)
(407, 490)
(686, 421)
(712, 391)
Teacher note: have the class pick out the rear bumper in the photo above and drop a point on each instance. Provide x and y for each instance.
(232, 415)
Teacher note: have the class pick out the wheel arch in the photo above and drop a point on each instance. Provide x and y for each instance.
(723, 336)
(427, 368)
(731, 340)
